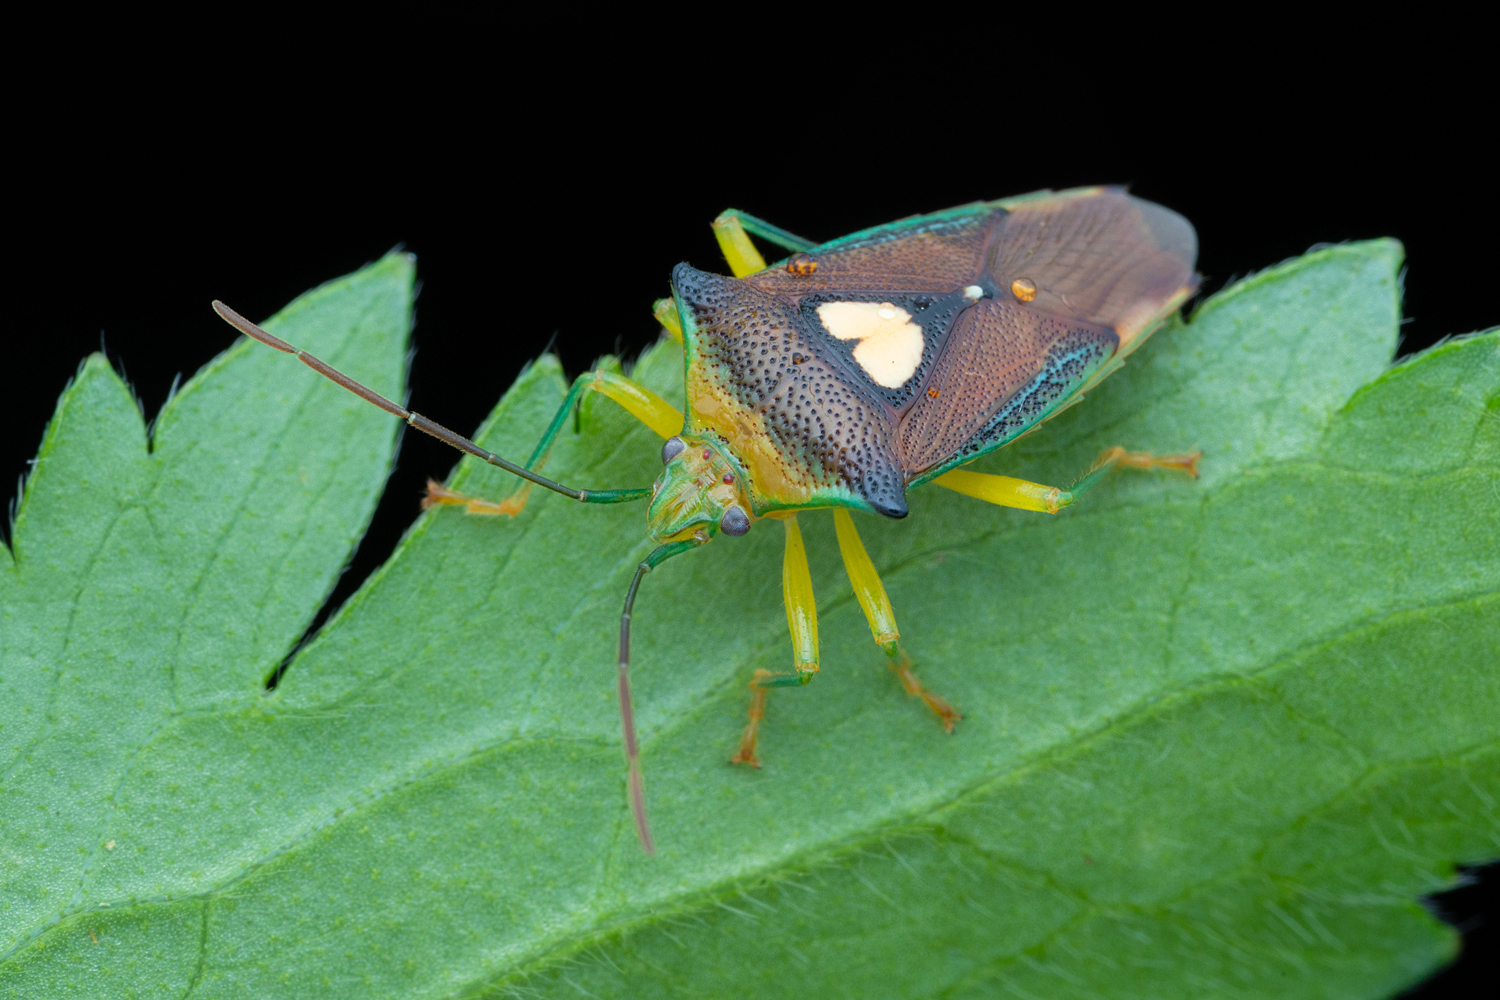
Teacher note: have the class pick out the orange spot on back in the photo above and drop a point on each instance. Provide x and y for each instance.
(801, 265)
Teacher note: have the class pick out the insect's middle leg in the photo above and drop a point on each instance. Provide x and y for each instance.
(877, 608)
(731, 229)
(802, 620)
(640, 402)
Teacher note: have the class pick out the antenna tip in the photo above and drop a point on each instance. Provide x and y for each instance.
(638, 808)
(249, 329)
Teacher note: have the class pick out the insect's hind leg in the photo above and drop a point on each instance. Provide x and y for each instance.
(877, 608)
(1117, 457)
(640, 402)
(802, 620)
(1008, 492)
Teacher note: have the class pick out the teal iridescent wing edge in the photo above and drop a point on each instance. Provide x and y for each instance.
(948, 220)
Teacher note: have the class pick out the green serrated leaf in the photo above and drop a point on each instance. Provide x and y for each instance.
(1219, 736)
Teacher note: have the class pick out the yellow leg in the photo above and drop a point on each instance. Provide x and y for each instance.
(1008, 492)
(797, 593)
(802, 619)
(730, 229)
(870, 593)
(665, 311)
(640, 402)
(739, 253)
(1003, 490)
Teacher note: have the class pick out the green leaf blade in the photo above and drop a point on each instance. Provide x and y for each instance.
(148, 585)
(1219, 734)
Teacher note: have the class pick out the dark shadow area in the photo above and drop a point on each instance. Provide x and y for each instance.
(1472, 908)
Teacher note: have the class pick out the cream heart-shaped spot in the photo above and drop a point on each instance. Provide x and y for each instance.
(890, 344)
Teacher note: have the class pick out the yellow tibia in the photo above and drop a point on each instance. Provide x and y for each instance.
(801, 608)
(1003, 490)
(867, 586)
(739, 253)
(665, 311)
(640, 402)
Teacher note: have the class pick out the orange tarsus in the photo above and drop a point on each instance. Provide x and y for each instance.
(746, 752)
(439, 495)
(1187, 463)
(945, 712)
(1145, 460)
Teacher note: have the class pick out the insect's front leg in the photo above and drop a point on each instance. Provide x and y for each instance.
(877, 608)
(802, 620)
(640, 402)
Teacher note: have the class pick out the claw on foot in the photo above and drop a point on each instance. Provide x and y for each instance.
(744, 756)
(746, 752)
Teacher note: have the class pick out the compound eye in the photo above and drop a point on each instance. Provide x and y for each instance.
(734, 522)
(673, 447)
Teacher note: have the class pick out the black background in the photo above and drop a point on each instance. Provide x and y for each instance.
(548, 205)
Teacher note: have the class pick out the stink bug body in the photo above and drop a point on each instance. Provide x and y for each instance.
(858, 369)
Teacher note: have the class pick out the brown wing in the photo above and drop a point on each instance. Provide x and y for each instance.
(1104, 266)
(1005, 368)
(919, 265)
(1097, 255)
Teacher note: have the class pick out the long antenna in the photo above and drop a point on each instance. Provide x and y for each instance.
(627, 713)
(418, 421)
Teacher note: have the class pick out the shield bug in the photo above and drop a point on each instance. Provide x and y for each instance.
(858, 369)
